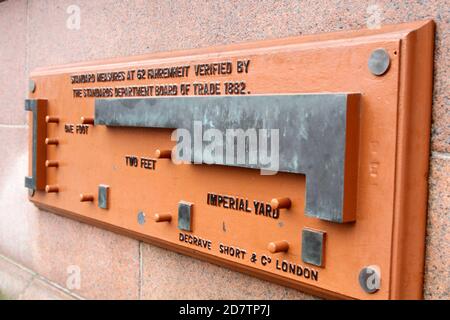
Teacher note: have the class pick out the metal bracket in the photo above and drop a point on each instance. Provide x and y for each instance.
(37, 180)
(318, 136)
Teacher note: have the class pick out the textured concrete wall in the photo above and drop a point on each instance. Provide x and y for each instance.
(42, 248)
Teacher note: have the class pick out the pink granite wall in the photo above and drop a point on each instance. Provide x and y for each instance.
(34, 33)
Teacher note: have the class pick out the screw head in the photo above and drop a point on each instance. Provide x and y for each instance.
(370, 279)
(32, 86)
(141, 217)
(379, 62)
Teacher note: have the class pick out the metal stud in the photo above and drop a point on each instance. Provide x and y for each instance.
(163, 154)
(51, 163)
(86, 197)
(281, 203)
(87, 120)
(379, 62)
(278, 246)
(51, 189)
(162, 217)
(51, 119)
(52, 141)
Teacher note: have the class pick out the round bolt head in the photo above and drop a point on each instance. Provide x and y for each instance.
(370, 279)
(141, 218)
(379, 62)
(31, 86)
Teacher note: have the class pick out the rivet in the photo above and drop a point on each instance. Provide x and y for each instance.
(370, 279)
(280, 203)
(379, 62)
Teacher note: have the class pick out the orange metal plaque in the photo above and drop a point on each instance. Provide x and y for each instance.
(344, 216)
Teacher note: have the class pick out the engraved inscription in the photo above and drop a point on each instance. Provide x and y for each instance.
(199, 86)
(142, 162)
(239, 204)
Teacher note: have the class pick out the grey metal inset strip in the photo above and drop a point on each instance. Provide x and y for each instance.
(312, 133)
(30, 182)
